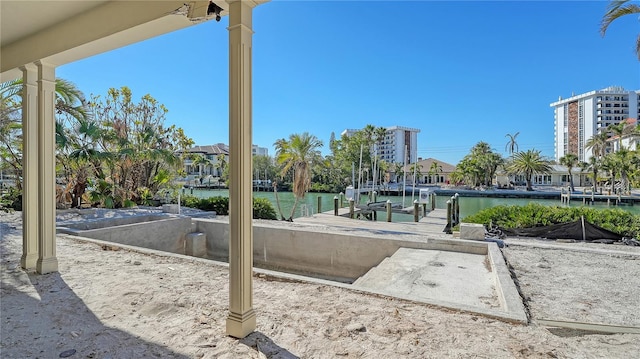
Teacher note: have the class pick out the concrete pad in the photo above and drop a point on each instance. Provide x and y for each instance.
(170, 208)
(196, 245)
(435, 275)
(473, 231)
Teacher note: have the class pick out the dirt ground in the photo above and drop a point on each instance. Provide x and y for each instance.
(124, 304)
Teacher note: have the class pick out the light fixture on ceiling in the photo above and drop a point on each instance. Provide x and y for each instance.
(214, 9)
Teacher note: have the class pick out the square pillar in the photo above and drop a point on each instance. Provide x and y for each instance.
(241, 320)
(30, 206)
(47, 261)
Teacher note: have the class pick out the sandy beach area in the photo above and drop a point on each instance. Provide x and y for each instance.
(108, 302)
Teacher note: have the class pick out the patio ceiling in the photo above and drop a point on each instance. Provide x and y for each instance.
(59, 32)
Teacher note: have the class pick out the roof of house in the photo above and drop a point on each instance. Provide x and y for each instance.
(425, 165)
(217, 149)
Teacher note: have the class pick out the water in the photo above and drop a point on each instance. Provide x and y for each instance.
(472, 205)
(309, 205)
(468, 205)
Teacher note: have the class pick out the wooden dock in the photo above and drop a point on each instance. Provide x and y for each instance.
(431, 226)
(590, 198)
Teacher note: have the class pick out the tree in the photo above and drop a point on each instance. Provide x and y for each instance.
(416, 172)
(598, 144)
(512, 145)
(222, 166)
(624, 165)
(434, 169)
(619, 130)
(608, 164)
(298, 154)
(78, 157)
(346, 154)
(201, 161)
(615, 10)
(569, 160)
(383, 168)
(139, 151)
(10, 127)
(398, 170)
(69, 108)
(479, 166)
(529, 163)
(369, 133)
(264, 168)
(593, 165)
(380, 133)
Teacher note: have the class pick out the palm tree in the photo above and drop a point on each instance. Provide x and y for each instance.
(624, 165)
(221, 164)
(417, 170)
(598, 144)
(369, 132)
(379, 134)
(434, 169)
(69, 105)
(512, 146)
(298, 154)
(528, 163)
(593, 165)
(609, 165)
(569, 160)
(398, 170)
(619, 130)
(615, 10)
(202, 162)
(79, 157)
(383, 167)
(481, 164)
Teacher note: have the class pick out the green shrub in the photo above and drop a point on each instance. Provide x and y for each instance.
(320, 187)
(218, 204)
(11, 200)
(263, 209)
(190, 201)
(534, 215)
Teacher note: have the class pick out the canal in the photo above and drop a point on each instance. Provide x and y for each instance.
(468, 205)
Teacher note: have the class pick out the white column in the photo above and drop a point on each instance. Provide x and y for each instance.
(242, 319)
(29, 167)
(47, 261)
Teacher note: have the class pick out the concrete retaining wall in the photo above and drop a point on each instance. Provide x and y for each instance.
(335, 256)
(162, 234)
(112, 222)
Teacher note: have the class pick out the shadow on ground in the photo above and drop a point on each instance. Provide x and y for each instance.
(263, 344)
(42, 317)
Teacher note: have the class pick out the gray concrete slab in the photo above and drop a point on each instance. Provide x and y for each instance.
(431, 226)
(435, 275)
(469, 281)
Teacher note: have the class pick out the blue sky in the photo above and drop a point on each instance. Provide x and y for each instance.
(461, 72)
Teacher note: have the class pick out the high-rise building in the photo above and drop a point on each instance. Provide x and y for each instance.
(579, 117)
(397, 142)
(261, 151)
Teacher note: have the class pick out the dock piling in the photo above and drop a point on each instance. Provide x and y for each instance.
(351, 208)
(449, 215)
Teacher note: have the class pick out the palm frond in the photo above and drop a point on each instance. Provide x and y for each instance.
(615, 10)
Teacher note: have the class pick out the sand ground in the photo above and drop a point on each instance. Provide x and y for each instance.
(125, 304)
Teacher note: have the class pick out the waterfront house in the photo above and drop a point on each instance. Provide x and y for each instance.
(432, 172)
